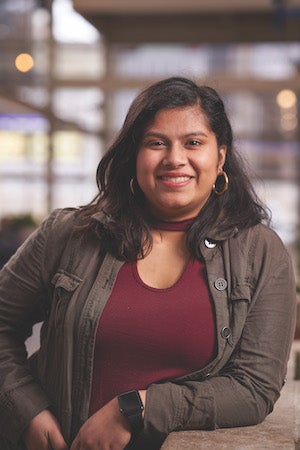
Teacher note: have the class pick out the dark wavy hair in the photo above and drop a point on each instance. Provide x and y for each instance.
(126, 230)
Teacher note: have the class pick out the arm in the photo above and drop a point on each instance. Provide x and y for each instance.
(22, 292)
(244, 390)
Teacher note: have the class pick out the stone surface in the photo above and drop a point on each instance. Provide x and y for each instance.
(280, 430)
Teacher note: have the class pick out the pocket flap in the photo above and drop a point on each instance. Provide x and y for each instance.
(241, 292)
(66, 281)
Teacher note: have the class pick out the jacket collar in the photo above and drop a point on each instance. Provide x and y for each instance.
(217, 235)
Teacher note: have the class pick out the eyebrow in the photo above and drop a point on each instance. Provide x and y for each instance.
(161, 135)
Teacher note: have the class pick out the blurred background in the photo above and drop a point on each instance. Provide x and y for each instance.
(69, 70)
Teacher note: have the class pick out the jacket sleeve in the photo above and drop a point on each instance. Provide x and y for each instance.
(22, 303)
(245, 389)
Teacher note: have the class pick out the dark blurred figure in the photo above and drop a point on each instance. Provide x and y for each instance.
(13, 232)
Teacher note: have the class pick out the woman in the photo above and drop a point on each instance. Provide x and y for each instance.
(167, 303)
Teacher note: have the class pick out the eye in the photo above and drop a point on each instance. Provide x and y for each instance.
(155, 144)
(193, 143)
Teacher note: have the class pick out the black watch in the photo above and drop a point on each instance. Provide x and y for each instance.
(131, 406)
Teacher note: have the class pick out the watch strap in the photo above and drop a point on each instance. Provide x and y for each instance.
(136, 423)
(131, 406)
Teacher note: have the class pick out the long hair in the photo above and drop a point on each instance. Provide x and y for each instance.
(126, 230)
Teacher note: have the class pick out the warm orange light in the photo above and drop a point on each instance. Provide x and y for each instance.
(24, 62)
(286, 99)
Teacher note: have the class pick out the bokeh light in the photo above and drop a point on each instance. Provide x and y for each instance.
(286, 99)
(24, 62)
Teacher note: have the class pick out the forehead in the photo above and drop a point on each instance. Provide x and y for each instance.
(185, 117)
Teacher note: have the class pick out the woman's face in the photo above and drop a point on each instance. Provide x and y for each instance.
(177, 163)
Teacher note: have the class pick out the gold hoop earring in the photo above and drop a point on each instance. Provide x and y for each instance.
(225, 186)
(131, 185)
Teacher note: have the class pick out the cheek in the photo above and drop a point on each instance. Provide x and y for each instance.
(139, 165)
(143, 172)
(145, 165)
(205, 164)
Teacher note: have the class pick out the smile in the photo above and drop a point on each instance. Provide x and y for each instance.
(181, 179)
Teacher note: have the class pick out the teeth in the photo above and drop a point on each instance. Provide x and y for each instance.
(175, 179)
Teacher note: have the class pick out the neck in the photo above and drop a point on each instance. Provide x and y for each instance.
(181, 225)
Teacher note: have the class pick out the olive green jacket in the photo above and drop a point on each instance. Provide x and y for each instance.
(61, 277)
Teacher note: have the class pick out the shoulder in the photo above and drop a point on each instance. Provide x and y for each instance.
(55, 231)
(61, 221)
(65, 239)
(62, 217)
(259, 245)
(262, 236)
(257, 257)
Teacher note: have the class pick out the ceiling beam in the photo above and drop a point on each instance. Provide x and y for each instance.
(169, 6)
(193, 21)
(204, 28)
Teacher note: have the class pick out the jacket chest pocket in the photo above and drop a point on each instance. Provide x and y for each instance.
(65, 285)
(240, 302)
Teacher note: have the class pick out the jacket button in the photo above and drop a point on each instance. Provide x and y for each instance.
(220, 284)
(209, 244)
(225, 332)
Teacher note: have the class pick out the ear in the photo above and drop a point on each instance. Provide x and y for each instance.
(222, 157)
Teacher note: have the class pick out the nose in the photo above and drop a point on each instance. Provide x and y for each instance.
(175, 156)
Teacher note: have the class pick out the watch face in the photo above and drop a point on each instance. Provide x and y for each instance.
(130, 403)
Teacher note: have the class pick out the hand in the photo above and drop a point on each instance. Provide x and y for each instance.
(107, 429)
(43, 433)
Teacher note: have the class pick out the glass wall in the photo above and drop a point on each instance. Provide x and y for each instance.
(51, 119)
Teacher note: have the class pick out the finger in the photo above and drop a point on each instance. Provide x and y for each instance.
(56, 440)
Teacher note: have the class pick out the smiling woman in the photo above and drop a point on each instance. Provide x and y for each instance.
(168, 302)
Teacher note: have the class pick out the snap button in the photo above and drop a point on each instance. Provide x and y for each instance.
(220, 284)
(209, 244)
(225, 332)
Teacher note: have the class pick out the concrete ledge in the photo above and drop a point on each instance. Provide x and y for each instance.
(280, 430)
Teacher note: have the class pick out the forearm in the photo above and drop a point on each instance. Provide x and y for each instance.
(171, 407)
(21, 398)
(217, 403)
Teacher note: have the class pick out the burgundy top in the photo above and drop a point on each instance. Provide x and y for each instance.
(147, 334)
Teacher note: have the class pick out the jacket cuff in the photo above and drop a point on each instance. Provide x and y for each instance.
(171, 407)
(163, 404)
(18, 407)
